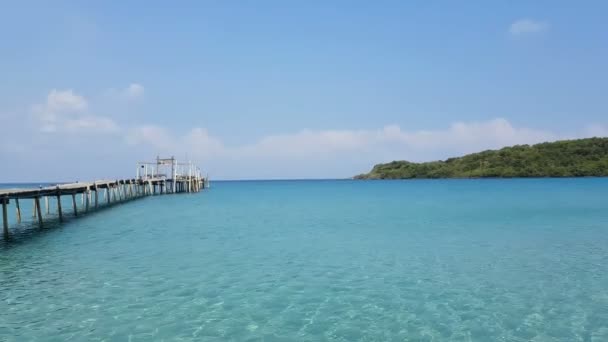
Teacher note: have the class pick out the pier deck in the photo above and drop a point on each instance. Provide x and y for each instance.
(185, 179)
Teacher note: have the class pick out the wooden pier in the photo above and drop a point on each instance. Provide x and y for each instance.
(184, 177)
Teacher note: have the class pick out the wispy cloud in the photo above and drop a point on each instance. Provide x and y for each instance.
(307, 144)
(528, 26)
(65, 100)
(64, 110)
(134, 91)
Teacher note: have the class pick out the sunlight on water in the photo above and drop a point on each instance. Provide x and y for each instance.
(457, 260)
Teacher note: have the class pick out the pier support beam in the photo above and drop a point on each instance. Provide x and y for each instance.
(96, 195)
(87, 199)
(118, 191)
(5, 217)
(38, 211)
(74, 204)
(59, 212)
(18, 209)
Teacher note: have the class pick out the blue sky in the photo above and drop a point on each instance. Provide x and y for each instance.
(286, 89)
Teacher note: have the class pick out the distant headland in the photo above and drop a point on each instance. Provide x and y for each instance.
(566, 158)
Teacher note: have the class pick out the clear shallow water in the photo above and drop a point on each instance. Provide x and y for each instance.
(457, 260)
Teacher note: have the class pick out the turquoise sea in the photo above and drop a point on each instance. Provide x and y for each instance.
(423, 260)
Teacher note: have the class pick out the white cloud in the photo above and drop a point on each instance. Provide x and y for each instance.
(152, 135)
(476, 135)
(65, 100)
(527, 26)
(65, 110)
(308, 144)
(134, 91)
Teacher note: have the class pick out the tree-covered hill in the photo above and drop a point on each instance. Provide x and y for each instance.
(567, 158)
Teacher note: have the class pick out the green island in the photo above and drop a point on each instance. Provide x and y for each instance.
(566, 158)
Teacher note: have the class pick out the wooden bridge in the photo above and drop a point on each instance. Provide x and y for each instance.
(150, 180)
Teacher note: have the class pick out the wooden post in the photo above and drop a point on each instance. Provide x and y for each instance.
(34, 209)
(86, 208)
(46, 205)
(18, 208)
(38, 210)
(107, 193)
(59, 206)
(96, 195)
(74, 204)
(5, 217)
(118, 190)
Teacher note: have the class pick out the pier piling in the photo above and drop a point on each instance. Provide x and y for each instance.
(37, 200)
(59, 206)
(74, 204)
(5, 216)
(18, 210)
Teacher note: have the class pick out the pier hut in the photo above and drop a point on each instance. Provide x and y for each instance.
(163, 176)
